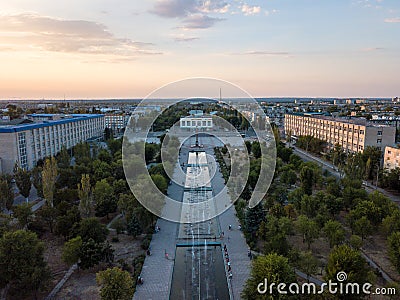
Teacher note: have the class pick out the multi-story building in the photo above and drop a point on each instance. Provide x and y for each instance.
(352, 134)
(116, 122)
(200, 122)
(391, 158)
(43, 135)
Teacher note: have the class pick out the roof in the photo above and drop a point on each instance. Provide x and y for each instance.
(24, 127)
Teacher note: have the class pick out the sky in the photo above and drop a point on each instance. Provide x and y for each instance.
(127, 48)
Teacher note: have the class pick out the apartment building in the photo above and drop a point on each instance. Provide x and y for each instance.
(391, 158)
(200, 122)
(43, 135)
(116, 122)
(352, 134)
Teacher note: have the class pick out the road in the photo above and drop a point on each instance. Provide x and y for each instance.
(328, 166)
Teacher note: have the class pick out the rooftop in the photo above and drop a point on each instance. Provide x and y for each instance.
(355, 121)
(15, 126)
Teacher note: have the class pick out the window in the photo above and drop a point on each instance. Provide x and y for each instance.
(379, 132)
(379, 141)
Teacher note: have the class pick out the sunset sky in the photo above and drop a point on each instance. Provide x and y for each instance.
(127, 48)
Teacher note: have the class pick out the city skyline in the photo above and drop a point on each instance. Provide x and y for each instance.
(270, 48)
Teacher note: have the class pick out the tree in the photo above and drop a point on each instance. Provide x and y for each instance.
(356, 242)
(343, 258)
(22, 263)
(275, 269)
(23, 181)
(394, 249)
(91, 254)
(85, 196)
(48, 215)
(256, 149)
(115, 284)
(49, 176)
(71, 250)
(334, 232)
(160, 182)
(133, 227)
(67, 221)
(308, 228)
(37, 180)
(363, 227)
(307, 178)
(6, 194)
(24, 214)
(106, 202)
(253, 218)
(63, 158)
(91, 228)
(308, 263)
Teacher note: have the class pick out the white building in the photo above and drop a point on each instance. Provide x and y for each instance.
(43, 135)
(116, 122)
(202, 122)
(391, 158)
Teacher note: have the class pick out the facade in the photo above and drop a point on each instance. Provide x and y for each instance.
(391, 158)
(26, 143)
(116, 122)
(352, 135)
(203, 122)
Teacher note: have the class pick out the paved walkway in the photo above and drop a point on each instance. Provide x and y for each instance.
(157, 270)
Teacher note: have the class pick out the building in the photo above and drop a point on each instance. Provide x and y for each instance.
(200, 122)
(42, 135)
(116, 122)
(352, 134)
(391, 158)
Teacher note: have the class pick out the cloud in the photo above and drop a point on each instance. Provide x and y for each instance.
(184, 8)
(392, 20)
(194, 14)
(264, 53)
(372, 49)
(71, 36)
(199, 21)
(250, 10)
(182, 38)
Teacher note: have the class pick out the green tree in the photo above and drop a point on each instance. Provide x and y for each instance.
(275, 269)
(24, 214)
(37, 180)
(356, 242)
(23, 181)
(71, 250)
(256, 149)
(343, 258)
(160, 182)
(308, 264)
(91, 254)
(133, 227)
(91, 228)
(49, 176)
(63, 158)
(253, 217)
(6, 194)
(307, 178)
(115, 284)
(22, 262)
(106, 202)
(308, 228)
(85, 196)
(66, 221)
(48, 215)
(363, 227)
(334, 232)
(394, 249)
